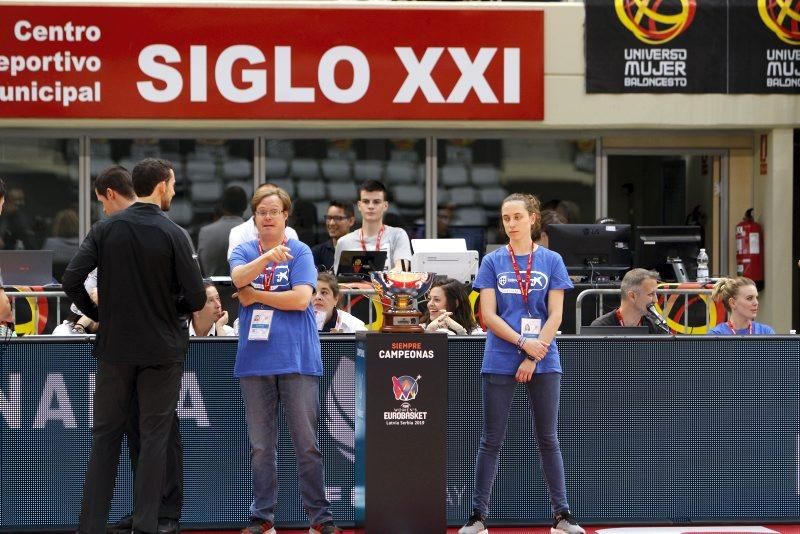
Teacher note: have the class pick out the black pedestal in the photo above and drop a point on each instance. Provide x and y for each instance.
(401, 433)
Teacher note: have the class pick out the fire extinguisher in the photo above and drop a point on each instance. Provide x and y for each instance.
(750, 249)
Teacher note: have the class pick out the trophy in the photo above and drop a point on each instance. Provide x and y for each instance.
(399, 288)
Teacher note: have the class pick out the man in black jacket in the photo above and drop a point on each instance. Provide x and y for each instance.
(147, 279)
(637, 293)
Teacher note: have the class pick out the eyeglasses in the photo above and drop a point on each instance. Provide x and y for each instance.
(272, 213)
(374, 201)
(336, 218)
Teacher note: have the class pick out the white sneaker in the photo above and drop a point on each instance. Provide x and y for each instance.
(564, 523)
(475, 525)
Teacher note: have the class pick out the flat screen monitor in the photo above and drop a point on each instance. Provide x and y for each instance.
(656, 247)
(475, 236)
(593, 251)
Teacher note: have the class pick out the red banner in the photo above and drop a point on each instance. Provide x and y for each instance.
(271, 63)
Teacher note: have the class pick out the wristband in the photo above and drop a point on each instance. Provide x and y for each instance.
(531, 358)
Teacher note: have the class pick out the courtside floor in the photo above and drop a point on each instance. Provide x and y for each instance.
(605, 529)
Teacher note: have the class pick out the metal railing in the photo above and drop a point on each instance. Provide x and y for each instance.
(663, 311)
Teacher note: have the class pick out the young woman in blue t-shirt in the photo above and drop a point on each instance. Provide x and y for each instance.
(740, 297)
(522, 296)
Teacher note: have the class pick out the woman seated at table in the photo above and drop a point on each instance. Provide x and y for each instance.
(449, 310)
(740, 298)
(329, 317)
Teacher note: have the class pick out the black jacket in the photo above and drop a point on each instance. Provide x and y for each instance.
(146, 279)
(610, 319)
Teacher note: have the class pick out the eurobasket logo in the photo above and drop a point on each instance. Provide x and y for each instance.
(405, 388)
(657, 22)
(782, 18)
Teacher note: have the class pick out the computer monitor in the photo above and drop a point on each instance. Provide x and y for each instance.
(593, 251)
(655, 246)
(475, 236)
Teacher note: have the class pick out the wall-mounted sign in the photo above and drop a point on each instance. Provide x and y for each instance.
(271, 63)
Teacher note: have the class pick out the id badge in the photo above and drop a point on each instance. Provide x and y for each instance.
(531, 327)
(260, 325)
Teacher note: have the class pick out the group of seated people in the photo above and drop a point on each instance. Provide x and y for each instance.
(739, 297)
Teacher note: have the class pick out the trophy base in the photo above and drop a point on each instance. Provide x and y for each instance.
(402, 321)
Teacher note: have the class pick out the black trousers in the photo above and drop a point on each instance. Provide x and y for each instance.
(172, 495)
(157, 388)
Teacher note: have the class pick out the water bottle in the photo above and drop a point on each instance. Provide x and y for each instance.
(702, 266)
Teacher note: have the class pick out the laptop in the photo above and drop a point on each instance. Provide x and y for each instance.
(355, 265)
(26, 267)
(614, 330)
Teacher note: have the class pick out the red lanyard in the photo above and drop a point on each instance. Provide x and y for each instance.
(523, 287)
(269, 272)
(620, 321)
(377, 243)
(749, 328)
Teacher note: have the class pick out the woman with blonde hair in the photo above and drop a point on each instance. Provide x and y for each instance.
(740, 298)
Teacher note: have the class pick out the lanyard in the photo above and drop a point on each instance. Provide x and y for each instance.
(269, 272)
(523, 287)
(378, 241)
(749, 328)
(621, 322)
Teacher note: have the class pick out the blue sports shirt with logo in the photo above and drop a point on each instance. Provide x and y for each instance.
(293, 345)
(496, 272)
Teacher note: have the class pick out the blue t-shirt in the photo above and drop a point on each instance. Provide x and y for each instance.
(722, 329)
(497, 272)
(293, 344)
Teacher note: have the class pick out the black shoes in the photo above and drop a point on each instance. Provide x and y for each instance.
(168, 526)
(125, 526)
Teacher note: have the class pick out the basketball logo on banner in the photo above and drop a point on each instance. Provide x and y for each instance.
(783, 19)
(656, 23)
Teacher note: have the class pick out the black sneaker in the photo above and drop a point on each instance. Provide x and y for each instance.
(564, 523)
(258, 526)
(124, 525)
(476, 524)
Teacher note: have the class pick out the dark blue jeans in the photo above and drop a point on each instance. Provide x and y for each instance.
(544, 391)
(299, 395)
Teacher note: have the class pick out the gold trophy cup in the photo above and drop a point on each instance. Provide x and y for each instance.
(401, 288)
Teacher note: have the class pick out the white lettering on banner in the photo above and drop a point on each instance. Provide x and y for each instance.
(455, 494)
(55, 405)
(333, 493)
(655, 67)
(418, 75)
(11, 406)
(472, 76)
(190, 402)
(690, 529)
(511, 80)
(169, 75)
(327, 68)
(25, 31)
(154, 61)
(55, 390)
(198, 76)
(255, 78)
(58, 62)
(284, 92)
(63, 94)
(405, 354)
